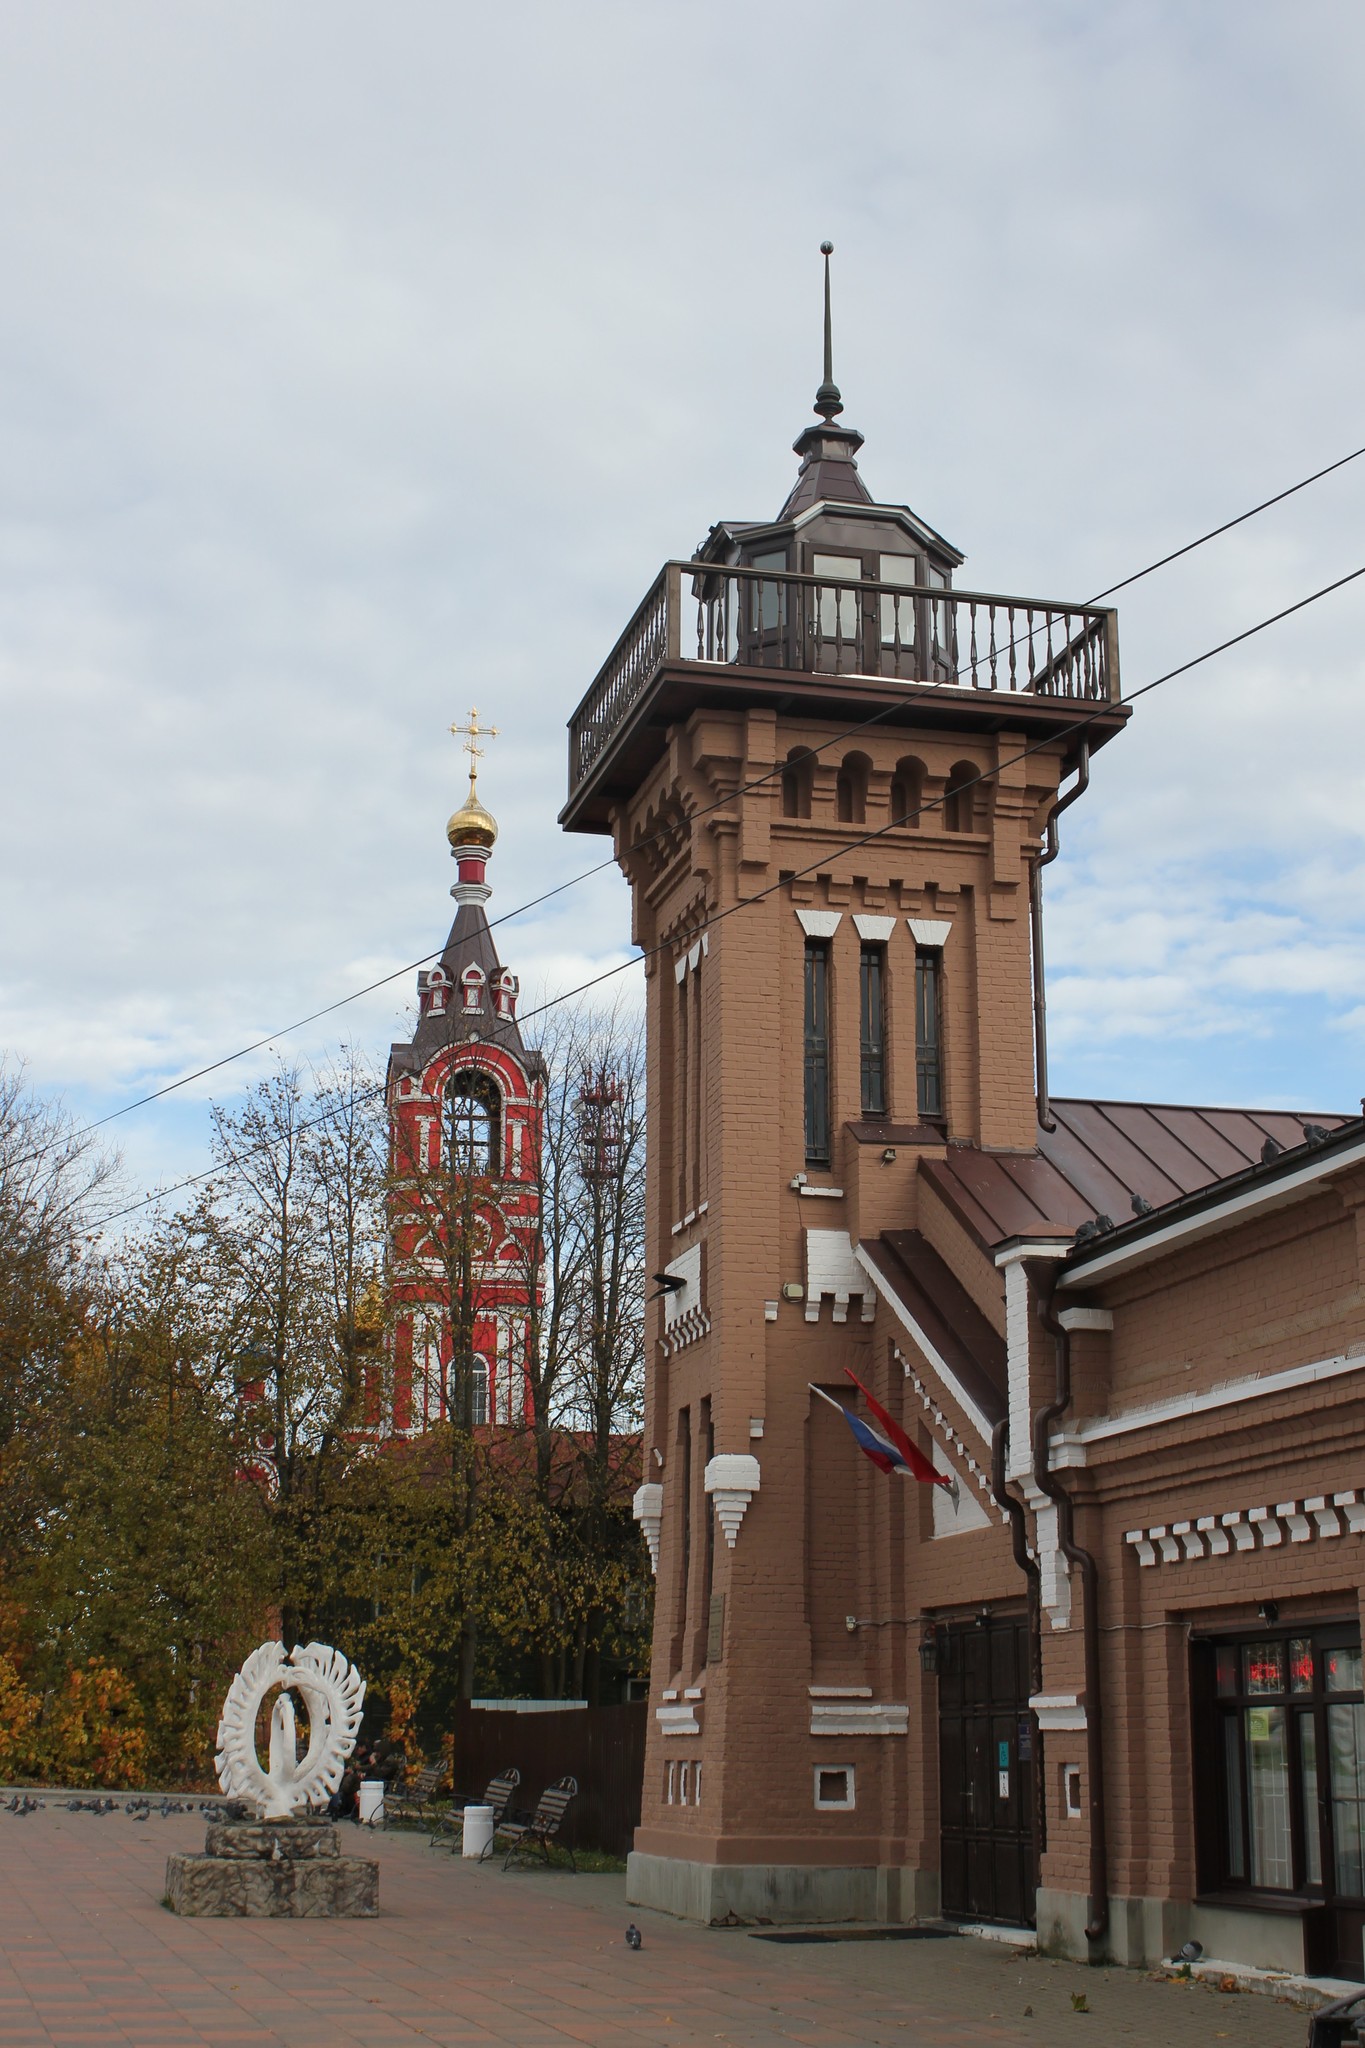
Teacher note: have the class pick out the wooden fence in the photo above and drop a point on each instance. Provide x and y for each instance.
(603, 1747)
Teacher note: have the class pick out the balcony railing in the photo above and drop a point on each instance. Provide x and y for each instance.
(910, 635)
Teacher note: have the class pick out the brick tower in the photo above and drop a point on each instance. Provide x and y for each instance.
(465, 1106)
(828, 772)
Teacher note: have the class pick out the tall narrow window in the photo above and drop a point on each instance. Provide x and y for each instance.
(708, 1444)
(928, 1037)
(817, 1053)
(872, 1028)
(959, 795)
(685, 1533)
(897, 612)
(907, 793)
(796, 781)
(850, 791)
(837, 599)
(681, 1122)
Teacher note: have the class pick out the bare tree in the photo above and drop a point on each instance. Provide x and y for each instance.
(54, 1183)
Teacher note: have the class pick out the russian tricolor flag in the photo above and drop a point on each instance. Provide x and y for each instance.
(889, 1448)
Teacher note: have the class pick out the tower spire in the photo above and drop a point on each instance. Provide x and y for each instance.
(828, 402)
(472, 829)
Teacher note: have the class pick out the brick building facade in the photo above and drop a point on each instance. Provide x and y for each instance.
(1111, 1685)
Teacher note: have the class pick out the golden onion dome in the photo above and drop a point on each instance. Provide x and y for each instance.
(472, 824)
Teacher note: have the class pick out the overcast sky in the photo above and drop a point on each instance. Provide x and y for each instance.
(359, 363)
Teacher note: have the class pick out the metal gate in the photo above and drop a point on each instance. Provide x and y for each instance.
(986, 1744)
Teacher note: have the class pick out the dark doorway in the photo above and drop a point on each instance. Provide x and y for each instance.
(986, 1744)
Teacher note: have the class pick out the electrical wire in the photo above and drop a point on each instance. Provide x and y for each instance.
(894, 824)
(587, 874)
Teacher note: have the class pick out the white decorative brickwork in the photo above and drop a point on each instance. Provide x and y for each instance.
(685, 1319)
(1260, 1528)
(943, 1425)
(851, 1710)
(732, 1480)
(832, 1268)
(648, 1509)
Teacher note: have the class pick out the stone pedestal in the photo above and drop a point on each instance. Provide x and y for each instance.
(273, 1870)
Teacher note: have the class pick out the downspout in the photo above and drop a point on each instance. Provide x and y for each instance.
(1035, 907)
(1018, 1537)
(1083, 1564)
(1033, 1578)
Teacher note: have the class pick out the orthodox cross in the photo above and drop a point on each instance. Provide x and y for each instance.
(473, 733)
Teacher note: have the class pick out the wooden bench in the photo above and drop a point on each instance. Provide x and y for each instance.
(498, 1795)
(540, 1830)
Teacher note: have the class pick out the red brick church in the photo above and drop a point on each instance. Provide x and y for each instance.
(466, 1099)
(1109, 1685)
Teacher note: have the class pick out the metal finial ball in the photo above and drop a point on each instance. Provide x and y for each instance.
(827, 248)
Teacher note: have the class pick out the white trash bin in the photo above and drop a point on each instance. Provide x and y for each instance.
(371, 1797)
(478, 1830)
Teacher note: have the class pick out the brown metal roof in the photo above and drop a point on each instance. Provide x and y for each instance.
(912, 1272)
(1101, 1156)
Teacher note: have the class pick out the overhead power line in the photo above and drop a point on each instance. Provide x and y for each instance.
(894, 824)
(587, 874)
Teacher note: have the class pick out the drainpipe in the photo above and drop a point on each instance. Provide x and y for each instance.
(1083, 1564)
(1018, 1534)
(1029, 1567)
(1035, 906)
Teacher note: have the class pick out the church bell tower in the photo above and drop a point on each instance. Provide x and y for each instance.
(828, 771)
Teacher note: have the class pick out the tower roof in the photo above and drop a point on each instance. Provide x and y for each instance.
(444, 1022)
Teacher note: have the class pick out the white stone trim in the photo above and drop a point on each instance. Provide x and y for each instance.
(834, 1267)
(732, 1479)
(1086, 1319)
(930, 931)
(1259, 1528)
(1068, 1446)
(685, 1318)
(922, 1343)
(648, 1510)
(678, 1720)
(819, 924)
(848, 1716)
(1057, 1711)
(944, 1426)
(1270, 1195)
(873, 929)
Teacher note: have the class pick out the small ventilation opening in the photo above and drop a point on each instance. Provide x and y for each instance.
(834, 1787)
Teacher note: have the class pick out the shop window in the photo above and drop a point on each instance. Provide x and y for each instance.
(1280, 1763)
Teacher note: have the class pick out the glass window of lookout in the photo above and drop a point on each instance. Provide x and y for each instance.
(474, 1118)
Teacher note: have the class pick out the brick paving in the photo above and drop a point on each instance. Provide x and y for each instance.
(465, 1956)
